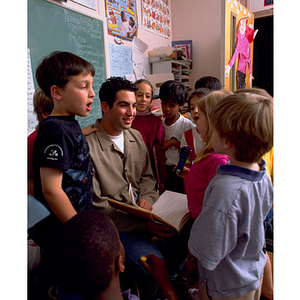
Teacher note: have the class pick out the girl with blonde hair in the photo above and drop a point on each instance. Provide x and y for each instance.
(206, 162)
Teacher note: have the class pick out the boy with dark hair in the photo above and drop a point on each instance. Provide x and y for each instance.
(88, 256)
(228, 236)
(208, 82)
(173, 96)
(62, 167)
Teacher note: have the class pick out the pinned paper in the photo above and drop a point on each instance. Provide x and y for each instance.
(31, 118)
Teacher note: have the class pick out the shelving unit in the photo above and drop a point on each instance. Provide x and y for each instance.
(180, 69)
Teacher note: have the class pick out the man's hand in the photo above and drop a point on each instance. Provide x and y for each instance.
(143, 203)
(159, 230)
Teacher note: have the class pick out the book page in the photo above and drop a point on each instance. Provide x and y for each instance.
(132, 196)
(171, 207)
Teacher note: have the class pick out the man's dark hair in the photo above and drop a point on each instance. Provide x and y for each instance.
(172, 90)
(57, 67)
(84, 252)
(209, 82)
(111, 86)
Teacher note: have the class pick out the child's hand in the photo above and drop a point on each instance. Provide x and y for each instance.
(169, 143)
(184, 172)
(166, 144)
(161, 188)
(143, 203)
(157, 268)
(89, 129)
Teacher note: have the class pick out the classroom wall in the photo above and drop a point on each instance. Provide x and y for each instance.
(151, 39)
(200, 21)
(258, 5)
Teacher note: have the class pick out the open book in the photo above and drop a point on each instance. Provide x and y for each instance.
(170, 209)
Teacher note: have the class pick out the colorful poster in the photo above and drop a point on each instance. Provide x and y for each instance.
(121, 18)
(156, 17)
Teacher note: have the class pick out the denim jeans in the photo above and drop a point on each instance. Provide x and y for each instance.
(137, 244)
(63, 295)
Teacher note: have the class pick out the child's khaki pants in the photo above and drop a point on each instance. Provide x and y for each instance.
(252, 295)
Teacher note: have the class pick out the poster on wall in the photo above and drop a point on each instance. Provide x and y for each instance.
(121, 18)
(268, 2)
(239, 36)
(156, 17)
(186, 47)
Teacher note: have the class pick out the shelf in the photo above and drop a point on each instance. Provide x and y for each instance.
(180, 69)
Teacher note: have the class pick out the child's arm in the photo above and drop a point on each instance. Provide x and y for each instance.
(89, 129)
(57, 199)
(161, 157)
(157, 268)
(169, 143)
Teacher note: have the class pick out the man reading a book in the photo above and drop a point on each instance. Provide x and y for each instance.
(120, 163)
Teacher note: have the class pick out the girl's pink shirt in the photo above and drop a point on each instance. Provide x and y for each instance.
(198, 179)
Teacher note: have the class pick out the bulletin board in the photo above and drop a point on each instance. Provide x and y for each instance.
(234, 11)
(52, 27)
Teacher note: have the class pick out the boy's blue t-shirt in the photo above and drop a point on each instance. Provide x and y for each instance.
(61, 144)
(228, 236)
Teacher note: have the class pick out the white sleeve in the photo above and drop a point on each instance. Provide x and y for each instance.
(183, 141)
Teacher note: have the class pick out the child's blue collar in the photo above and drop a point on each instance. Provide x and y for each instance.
(243, 172)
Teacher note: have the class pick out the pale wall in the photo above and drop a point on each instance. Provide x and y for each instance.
(200, 21)
(258, 5)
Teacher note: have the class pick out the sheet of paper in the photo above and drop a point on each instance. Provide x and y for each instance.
(87, 3)
(31, 118)
(138, 49)
(131, 77)
(120, 60)
(138, 70)
(147, 70)
(131, 195)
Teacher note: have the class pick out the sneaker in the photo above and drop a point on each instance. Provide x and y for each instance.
(193, 294)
